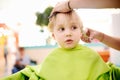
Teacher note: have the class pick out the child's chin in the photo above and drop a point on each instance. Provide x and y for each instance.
(69, 47)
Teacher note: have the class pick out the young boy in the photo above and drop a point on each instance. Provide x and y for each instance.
(70, 61)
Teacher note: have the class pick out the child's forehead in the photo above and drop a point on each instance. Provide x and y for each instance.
(68, 22)
(64, 18)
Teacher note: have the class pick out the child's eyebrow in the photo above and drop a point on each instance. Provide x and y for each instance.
(73, 23)
(60, 25)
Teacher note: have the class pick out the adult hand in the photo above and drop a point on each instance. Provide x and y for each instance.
(61, 7)
(90, 34)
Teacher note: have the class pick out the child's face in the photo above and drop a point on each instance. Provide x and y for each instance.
(67, 30)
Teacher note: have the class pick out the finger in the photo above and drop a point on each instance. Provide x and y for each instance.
(85, 39)
(87, 32)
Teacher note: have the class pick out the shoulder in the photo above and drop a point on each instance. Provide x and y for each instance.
(55, 52)
(89, 51)
(86, 48)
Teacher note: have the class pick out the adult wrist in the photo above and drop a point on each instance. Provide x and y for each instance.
(102, 37)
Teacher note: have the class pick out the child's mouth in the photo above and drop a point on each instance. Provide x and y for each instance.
(69, 41)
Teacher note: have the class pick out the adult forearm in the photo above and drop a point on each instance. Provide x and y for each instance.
(111, 41)
(94, 4)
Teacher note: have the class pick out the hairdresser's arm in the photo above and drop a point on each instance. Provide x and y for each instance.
(110, 41)
(75, 4)
(94, 4)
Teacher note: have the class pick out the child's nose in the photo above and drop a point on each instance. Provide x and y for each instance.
(68, 33)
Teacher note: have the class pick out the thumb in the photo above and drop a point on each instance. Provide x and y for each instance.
(89, 33)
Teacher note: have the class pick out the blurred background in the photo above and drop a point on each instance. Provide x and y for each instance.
(23, 31)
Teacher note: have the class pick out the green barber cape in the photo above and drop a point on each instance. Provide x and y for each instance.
(80, 63)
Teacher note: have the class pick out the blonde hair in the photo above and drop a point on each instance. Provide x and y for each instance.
(69, 14)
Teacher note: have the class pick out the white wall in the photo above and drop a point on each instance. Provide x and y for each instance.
(115, 29)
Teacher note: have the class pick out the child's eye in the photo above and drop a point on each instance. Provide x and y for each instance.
(61, 29)
(74, 27)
